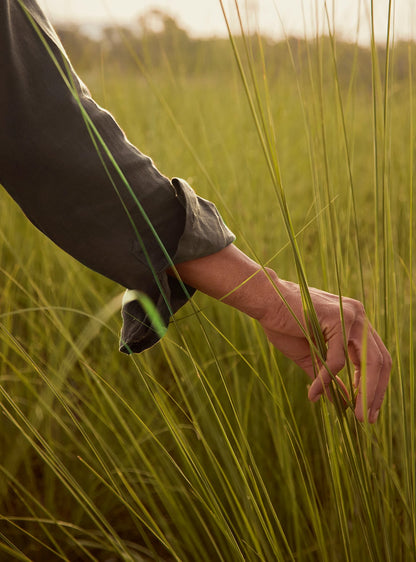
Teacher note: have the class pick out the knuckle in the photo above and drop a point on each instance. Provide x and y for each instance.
(353, 309)
(388, 362)
(358, 308)
(378, 362)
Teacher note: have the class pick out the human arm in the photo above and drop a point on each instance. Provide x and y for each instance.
(70, 167)
(98, 208)
(240, 282)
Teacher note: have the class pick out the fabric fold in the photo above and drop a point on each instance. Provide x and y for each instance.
(69, 166)
(205, 233)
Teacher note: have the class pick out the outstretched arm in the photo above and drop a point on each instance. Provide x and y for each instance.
(240, 282)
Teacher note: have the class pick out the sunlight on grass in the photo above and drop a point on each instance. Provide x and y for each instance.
(205, 447)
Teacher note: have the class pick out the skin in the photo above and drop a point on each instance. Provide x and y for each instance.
(231, 276)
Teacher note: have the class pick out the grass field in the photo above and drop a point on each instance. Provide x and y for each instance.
(205, 447)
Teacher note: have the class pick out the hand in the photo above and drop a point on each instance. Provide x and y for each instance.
(285, 334)
(240, 282)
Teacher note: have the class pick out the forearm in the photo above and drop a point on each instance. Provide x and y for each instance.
(235, 279)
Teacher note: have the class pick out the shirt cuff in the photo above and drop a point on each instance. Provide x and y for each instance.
(146, 317)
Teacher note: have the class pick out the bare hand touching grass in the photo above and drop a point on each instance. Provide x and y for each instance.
(232, 277)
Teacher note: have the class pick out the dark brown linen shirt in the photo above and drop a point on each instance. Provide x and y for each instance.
(75, 175)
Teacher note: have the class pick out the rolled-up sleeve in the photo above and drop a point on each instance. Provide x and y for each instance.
(75, 175)
(204, 233)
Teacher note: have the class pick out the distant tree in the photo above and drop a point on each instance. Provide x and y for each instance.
(81, 47)
(159, 42)
(163, 39)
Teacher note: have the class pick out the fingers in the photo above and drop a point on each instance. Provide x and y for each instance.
(372, 380)
(335, 361)
(371, 360)
(372, 372)
(384, 376)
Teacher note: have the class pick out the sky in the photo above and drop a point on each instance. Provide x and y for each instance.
(204, 17)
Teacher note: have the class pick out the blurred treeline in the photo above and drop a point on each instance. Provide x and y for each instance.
(156, 41)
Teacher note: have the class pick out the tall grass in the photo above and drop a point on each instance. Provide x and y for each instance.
(205, 447)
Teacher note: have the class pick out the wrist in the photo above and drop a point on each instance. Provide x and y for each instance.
(257, 295)
(235, 279)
